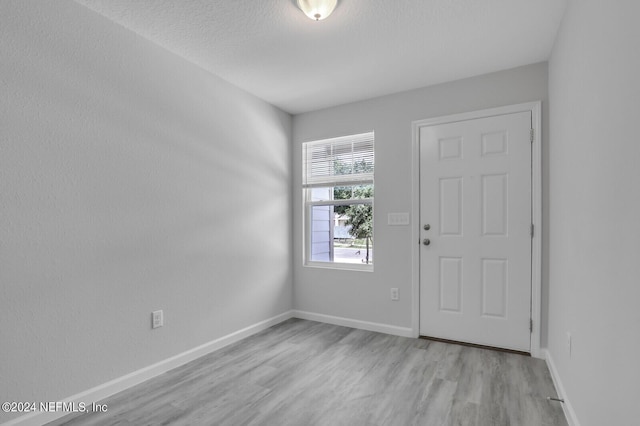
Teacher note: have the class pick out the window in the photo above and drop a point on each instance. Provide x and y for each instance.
(337, 183)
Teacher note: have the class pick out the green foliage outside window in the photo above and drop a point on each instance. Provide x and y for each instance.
(359, 216)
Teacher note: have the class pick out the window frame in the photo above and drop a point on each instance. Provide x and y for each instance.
(309, 183)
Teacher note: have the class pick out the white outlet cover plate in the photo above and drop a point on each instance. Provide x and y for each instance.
(157, 319)
(394, 294)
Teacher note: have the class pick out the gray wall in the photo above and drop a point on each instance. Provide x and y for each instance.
(130, 180)
(594, 275)
(364, 296)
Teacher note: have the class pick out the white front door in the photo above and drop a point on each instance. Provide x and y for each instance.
(475, 212)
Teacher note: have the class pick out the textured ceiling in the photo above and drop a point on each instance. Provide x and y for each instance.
(366, 48)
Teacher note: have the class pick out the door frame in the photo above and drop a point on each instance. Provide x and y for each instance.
(536, 208)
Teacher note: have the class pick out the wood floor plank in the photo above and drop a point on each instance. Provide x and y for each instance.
(307, 373)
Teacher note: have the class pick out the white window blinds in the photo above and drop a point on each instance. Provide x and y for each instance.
(342, 161)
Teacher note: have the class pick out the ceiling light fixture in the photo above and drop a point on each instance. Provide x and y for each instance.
(317, 9)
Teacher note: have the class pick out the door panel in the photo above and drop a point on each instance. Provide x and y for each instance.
(475, 193)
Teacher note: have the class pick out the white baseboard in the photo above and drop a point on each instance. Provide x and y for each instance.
(572, 419)
(105, 390)
(353, 323)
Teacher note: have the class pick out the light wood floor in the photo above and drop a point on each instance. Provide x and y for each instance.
(308, 373)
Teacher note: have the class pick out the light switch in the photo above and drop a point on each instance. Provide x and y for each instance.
(398, 219)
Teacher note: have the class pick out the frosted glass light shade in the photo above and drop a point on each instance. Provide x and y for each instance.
(317, 9)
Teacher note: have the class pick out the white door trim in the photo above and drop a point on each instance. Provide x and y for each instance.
(536, 204)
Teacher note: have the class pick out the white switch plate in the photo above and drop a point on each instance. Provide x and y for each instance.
(157, 319)
(398, 219)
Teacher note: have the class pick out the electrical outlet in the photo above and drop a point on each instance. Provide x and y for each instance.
(394, 294)
(157, 319)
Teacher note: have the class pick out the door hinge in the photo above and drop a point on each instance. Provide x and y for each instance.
(530, 325)
(531, 135)
(531, 230)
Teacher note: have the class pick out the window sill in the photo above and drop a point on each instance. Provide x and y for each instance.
(339, 266)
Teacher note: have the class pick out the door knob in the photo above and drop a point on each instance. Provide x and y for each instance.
(426, 241)
(427, 227)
